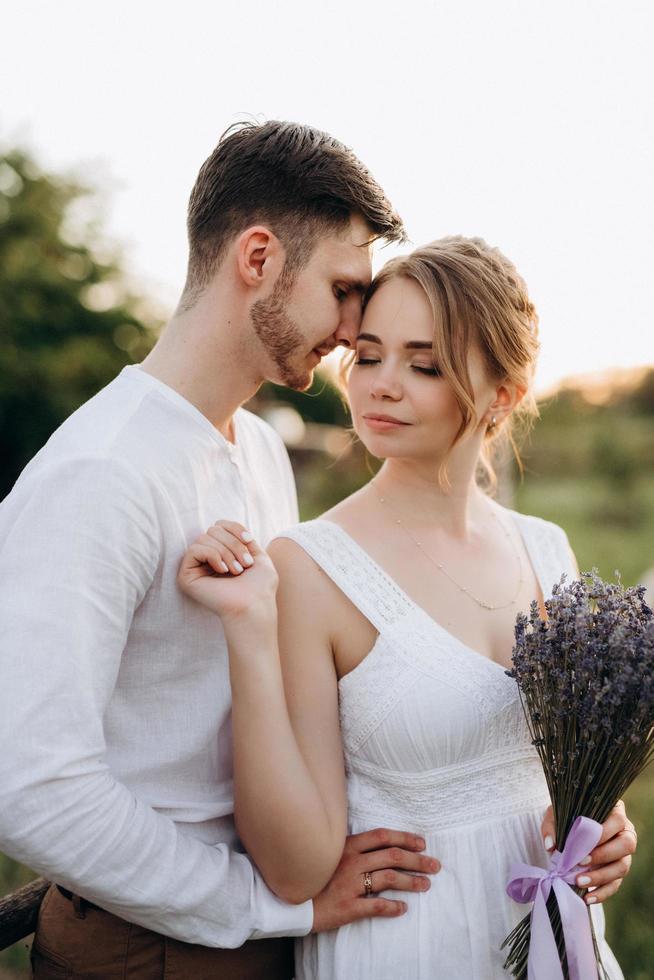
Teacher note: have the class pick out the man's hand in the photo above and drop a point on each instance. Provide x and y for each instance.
(610, 861)
(387, 855)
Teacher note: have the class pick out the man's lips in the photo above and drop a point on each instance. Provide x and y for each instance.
(322, 351)
(317, 354)
(383, 423)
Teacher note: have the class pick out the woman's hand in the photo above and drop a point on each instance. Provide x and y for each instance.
(610, 861)
(226, 571)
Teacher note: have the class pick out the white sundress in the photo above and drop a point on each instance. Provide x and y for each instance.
(435, 743)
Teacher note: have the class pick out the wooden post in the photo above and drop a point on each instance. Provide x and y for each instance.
(19, 911)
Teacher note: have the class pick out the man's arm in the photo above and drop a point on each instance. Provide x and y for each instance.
(78, 552)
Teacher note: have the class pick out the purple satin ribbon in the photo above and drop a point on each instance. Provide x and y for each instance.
(530, 884)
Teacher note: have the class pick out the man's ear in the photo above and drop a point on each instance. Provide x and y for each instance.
(260, 256)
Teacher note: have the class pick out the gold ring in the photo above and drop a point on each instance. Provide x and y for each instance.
(367, 883)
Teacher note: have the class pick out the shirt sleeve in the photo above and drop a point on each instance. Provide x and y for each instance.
(79, 546)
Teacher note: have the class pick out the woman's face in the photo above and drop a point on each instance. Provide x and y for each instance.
(401, 406)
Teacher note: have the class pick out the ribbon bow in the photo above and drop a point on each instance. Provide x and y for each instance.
(530, 884)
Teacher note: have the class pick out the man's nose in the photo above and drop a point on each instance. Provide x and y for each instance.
(348, 329)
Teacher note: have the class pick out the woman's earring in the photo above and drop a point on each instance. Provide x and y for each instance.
(492, 424)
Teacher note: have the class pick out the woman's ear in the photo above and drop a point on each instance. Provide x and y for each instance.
(260, 256)
(507, 397)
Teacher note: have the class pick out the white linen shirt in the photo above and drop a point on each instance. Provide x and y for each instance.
(115, 731)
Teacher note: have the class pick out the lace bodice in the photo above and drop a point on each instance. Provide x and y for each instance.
(433, 732)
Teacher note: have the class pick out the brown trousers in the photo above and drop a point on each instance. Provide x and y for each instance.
(73, 940)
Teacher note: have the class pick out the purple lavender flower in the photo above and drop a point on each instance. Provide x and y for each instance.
(586, 682)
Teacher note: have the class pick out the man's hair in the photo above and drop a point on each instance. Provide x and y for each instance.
(295, 179)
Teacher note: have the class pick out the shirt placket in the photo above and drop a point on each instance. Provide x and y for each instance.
(236, 465)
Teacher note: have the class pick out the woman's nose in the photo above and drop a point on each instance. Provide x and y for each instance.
(385, 385)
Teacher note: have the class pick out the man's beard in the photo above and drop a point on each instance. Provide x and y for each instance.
(280, 335)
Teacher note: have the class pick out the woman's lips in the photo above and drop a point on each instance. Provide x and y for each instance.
(383, 423)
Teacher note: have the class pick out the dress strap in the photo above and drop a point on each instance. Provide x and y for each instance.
(352, 569)
(549, 551)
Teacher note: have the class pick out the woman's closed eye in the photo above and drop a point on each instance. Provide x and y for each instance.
(428, 370)
(431, 372)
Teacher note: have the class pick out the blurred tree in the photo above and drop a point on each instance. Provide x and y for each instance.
(67, 323)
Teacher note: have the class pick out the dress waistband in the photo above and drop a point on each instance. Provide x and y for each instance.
(444, 799)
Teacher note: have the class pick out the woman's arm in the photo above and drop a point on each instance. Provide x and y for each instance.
(289, 791)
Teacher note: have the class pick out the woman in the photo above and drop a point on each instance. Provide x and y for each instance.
(396, 615)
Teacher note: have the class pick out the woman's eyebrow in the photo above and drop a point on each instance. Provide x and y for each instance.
(410, 344)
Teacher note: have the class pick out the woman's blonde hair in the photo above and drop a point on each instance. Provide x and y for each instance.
(477, 296)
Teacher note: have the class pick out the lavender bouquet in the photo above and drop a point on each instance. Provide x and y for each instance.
(586, 682)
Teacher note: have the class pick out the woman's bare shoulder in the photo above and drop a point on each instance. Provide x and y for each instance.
(303, 583)
(304, 587)
(290, 559)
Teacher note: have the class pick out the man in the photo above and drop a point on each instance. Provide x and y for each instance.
(115, 697)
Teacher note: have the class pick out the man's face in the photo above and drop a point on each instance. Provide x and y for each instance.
(310, 314)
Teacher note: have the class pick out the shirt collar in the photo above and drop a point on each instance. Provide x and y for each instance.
(136, 372)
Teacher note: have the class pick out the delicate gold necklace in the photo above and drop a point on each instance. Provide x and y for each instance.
(441, 567)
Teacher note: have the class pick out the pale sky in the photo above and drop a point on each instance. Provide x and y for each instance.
(528, 123)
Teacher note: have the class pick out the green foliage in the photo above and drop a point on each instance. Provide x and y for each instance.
(67, 324)
(591, 469)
